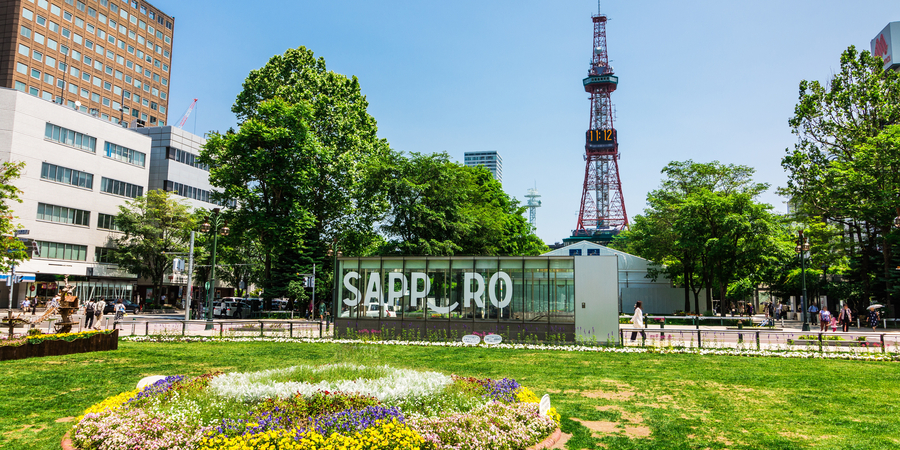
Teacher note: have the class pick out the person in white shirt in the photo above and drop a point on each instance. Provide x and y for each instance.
(638, 322)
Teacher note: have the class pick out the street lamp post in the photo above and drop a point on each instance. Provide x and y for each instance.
(335, 253)
(802, 248)
(217, 225)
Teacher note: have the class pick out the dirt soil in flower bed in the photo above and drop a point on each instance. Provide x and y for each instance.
(607, 400)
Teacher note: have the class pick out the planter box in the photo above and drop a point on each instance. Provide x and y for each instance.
(96, 343)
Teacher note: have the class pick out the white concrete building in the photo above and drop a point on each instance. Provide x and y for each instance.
(78, 170)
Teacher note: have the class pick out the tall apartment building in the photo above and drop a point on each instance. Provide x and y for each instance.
(491, 160)
(109, 58)
(78, 170)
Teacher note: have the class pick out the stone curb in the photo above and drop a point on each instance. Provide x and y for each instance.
(546, 443)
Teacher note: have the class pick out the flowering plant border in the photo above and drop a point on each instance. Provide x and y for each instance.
(745, 352)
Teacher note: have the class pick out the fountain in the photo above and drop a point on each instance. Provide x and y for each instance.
(68, 304)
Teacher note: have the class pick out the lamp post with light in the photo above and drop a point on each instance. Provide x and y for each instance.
(217, 225)
(802, 248)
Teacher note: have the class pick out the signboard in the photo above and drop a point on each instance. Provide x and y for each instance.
(886, 45)
(493, 339)
(545, 404)
(600, 140)
(32, 287)
(471, 339)
(474, 286)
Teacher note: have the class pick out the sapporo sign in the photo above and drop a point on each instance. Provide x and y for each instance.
(419, 286)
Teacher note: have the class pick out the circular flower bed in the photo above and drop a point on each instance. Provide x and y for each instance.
(336, 406)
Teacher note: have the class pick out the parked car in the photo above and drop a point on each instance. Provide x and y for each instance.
(373, 310)
(230, 310)
(130, 308)
(255, 303)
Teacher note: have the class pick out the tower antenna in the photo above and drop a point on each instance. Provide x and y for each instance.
(533, 204)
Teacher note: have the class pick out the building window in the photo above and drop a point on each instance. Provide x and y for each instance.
(21, 68)
(574, 252)
(125, 154)
(27, 13)
(71, 138)
(20, 86)
(57, 250)
(104, 255)
(65, 175)
(26, 32)
(122, 188)
(61, 214)
(107, 222)
(24, 50)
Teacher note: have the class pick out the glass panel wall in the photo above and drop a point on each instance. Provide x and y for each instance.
(478, 289)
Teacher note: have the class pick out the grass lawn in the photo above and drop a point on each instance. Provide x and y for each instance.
(610, 401)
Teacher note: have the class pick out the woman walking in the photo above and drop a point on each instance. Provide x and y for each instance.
(638, 320)
(844, 318)
(873, 317)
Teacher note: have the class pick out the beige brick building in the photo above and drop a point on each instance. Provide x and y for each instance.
(112, 57)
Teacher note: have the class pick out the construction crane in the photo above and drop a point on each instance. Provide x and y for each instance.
(187, 114)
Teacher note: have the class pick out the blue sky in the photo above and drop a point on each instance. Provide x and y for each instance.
(701, 80)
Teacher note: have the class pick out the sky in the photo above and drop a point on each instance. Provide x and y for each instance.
(698, 80)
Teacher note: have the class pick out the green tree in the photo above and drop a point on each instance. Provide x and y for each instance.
(13, 249)
(298, 164)
(704, 229)
(152, 226)
(264, 167)
(845, 167)
(439, 207)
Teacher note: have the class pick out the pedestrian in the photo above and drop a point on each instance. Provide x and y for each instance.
(53, 303)
(25, 305)
(844, 318)
(770, 311)
(813, 312)
(638, 322)
(873, 318)
(34, 303)
(88, 314)
(119, 310)
(778, 310)
(99, 306)
(824, 319)
(833, 324)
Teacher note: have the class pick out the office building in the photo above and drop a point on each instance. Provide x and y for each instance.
(175, 165)
(109, 58)
(491, 160)
(78, 170)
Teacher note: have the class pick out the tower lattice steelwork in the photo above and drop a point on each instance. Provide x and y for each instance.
(602, 213)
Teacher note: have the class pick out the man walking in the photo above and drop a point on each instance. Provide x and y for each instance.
(813, 312)
(88, 314)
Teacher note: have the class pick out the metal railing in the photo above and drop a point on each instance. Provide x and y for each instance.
(761, 339)
(221, 328)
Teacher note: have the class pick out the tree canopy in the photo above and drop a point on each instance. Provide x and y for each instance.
(439, 207)
(845, 167)
(151, 226)
(705, 230)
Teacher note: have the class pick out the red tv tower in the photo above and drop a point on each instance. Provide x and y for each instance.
(602, 213)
